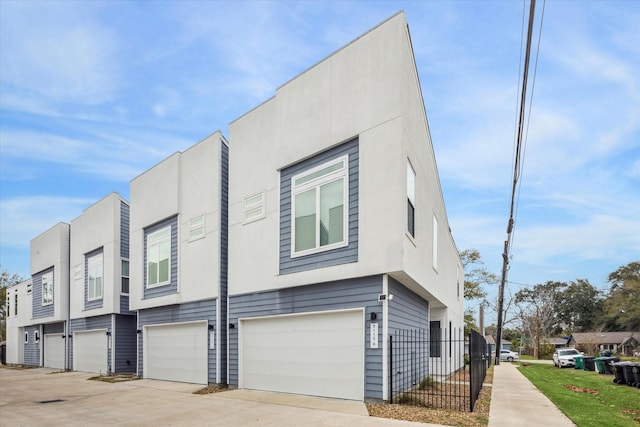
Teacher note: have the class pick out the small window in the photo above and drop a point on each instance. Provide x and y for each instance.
(8, 302)
(15, 304)
(254, 208)
(26, 337)
(29, 288)
(47, 288)
(411, 200)
(196, 228)
(36, 336)
(95, 277)
(125, 276)
(435, 338)
(159, 257)
(319, 208)
(435, 242)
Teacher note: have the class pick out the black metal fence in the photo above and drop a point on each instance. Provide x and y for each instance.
(436, 368)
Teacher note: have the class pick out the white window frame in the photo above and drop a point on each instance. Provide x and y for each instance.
(254, 207)
(47, 282)
(123, 276)
(316, 183)
(36, 336)
(95, 270)
(411, 198)
(197, 228)
(151, 236)
(26, 337)
(435, 243)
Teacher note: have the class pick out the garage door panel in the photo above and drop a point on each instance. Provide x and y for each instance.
(176, 352)
(54, 351)
(319, 354)
(90, 353)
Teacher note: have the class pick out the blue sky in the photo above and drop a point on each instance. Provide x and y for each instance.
(94, 93)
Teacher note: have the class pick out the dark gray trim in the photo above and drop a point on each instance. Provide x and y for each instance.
(326, 258)
(187, 312)
(39, 310)
(172, 287)
(97, 303)
(344, 294)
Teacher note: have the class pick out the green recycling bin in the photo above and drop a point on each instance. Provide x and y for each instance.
(578, 360)
(600, 361)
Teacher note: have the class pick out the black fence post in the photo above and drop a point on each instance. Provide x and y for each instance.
(390, 368)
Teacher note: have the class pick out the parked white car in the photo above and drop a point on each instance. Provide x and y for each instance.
(509, 355)
(565, 357)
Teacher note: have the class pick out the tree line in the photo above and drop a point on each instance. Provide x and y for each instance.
(558, 308)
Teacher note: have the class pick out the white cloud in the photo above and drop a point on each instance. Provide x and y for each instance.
(24, 218)
(57, 50)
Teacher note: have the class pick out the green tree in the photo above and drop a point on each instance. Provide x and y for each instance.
(579, 307)
(6, 280)
(475, 277)
(536, 306)
(621, 305)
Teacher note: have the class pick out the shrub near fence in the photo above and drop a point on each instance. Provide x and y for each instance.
(429, 368)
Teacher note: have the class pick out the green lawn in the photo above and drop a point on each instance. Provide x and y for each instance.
(588, 398)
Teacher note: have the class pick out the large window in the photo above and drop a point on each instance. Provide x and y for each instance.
(159, 257)
(94, 277)
(320, 208)
(47, 288)
(125, 276)
(411, 200)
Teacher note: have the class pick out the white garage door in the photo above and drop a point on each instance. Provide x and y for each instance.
(90, 351)
(176, 352)
(54, 351)
(319, 354)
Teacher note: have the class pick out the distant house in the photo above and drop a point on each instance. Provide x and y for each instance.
(617, 342)
(557, 342)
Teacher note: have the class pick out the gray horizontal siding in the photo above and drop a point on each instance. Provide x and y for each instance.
(406, 310)
(31, 348)
(189, 312)
(327, 258)
(39, 310)
(124, 306)
(124, 230)
(224, 251)
(172, 287)
(353, 293)
(53, 328)
(88, 324)
(125, 344)
(97, 303)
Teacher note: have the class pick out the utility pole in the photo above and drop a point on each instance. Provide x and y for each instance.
(516, 174)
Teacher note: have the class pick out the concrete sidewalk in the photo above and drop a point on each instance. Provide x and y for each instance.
(517, 402)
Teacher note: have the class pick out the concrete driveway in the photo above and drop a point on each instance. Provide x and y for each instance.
(43, 397)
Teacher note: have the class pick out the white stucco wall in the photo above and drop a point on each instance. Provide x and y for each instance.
(367, 89)
(51, 249)
(15, 323)
(186, 184)
(98, 226)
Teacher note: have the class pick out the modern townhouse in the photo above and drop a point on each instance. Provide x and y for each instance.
(45, 334)
(178, 278)
(102, 329)
(338, 233)
(18, 309)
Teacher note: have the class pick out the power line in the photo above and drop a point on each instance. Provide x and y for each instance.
(517, 170)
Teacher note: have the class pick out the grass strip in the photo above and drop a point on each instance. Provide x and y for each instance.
(587, 398)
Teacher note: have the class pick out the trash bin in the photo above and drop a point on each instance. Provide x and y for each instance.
(618, 371)
(599, 362)
(589, 363)
(628, 373)
(578, 360)
(608, 369)
(636, 374)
